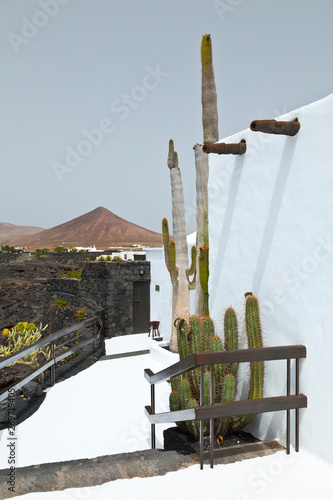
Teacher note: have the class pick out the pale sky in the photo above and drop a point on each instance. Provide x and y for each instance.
(92, 91)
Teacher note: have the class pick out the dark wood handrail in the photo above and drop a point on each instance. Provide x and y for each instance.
(231, 409)
(236, 356)
(234, 408)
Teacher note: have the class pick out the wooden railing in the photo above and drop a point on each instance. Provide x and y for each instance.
(235, 408)
(50, 340)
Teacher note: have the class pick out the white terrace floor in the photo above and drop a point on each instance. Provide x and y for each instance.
(100, 411)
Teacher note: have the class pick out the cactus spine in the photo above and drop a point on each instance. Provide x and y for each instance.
(197, 335)
(210, 135)
(175, 251)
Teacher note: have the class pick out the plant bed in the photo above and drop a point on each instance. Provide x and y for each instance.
(184, 443)
(27, 400)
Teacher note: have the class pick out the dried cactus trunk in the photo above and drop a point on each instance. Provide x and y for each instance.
(175, 251)
(210, 133)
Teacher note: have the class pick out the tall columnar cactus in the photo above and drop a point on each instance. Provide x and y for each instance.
(208, 93)
(203, 260)
(210, 135)
(254, 338)
(175, 251)
(197, 335)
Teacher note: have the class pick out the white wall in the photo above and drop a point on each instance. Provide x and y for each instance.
(271, 233)
(160, 302)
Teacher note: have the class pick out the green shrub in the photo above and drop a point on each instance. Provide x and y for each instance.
(59, 302)
(7, 248)
(60, 249)
(108, 258)
(74, 274)
(42, 251)
(100, 259)
(117, 258)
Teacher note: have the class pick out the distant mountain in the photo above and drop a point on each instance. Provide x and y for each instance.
(9, 231)
(100, 227)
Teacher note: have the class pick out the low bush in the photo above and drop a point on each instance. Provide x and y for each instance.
(59, 302)
(74, 274)
(23, 335)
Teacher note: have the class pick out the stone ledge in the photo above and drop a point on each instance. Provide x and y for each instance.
(124, 355)
(97, 471)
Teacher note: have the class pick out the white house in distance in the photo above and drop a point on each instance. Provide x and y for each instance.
(271, 233)
(128, 255)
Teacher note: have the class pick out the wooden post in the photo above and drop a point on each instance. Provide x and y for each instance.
(222, 148)
(275, 127)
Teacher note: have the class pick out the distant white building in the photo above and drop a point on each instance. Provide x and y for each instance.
(128, 255)
(87, 249)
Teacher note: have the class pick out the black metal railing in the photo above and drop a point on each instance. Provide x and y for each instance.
(50, 340)
(235, 408)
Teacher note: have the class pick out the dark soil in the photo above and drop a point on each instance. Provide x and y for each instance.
(25, 404)
(183, 442)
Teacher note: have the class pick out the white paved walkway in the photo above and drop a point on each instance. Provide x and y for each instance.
(100, 411)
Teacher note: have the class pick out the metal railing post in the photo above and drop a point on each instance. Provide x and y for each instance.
(52, 378)
(152, 404)
(288, 411)
(94, 332)
(202, 390)
(297, 409)
(211, 422)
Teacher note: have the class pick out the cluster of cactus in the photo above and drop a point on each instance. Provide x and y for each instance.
(198, 335)
(23, 335)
